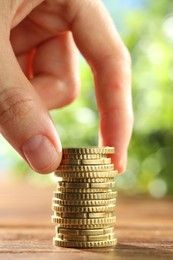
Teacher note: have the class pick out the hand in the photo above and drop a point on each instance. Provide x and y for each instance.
(39, 71)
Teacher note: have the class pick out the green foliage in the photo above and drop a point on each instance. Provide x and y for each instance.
(150, 39)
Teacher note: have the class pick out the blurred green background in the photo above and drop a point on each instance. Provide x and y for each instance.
(147, 29)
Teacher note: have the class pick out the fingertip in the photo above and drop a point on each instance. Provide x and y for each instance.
(41, 154)
(51, 168)
(121, 169)
(119, 163)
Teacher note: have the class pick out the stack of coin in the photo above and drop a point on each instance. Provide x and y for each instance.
(84, 202)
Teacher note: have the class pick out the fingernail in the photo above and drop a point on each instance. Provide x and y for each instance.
(40, 153)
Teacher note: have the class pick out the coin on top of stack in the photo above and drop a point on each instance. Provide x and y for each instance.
(85, 199)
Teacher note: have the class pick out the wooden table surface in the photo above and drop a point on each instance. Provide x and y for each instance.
(144, 227)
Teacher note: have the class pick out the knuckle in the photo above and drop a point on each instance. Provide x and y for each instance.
(14, 105)
(71, 98)
(74, 90)
(120, 57)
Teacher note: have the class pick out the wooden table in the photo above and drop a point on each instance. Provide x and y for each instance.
(144, 227)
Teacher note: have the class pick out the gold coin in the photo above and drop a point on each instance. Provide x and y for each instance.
(86, 238)
(83, 202)
(87, 180)
(105, 174)
(83, 156)
(85, 196)
(79, 185)
(83, 190)
(83, 222)
(86, 215)
(89, 150)
(63, 243)
(69, 209)
(85, 168)
(85, 162)
(86, 227)
(84, 232)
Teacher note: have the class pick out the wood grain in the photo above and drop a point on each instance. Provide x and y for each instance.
(144, 227)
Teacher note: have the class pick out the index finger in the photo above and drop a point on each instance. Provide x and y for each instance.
(99, 42)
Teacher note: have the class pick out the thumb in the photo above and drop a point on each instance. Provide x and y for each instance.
(24, 120)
